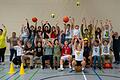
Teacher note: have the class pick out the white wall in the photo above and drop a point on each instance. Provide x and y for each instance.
(14, 12)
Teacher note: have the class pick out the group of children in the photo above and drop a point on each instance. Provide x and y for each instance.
(78, 45)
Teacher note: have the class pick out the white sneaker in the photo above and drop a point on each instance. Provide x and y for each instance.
(61, 69)
(70, 67)
(73, 69)
(41, 66)
(50, 68)
(83, 69)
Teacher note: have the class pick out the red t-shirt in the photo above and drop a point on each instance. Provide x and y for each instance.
(66, 50)
(53, 35)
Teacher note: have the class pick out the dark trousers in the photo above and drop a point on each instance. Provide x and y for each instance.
(12, 53)
(116, 55)
(2, 54)
(17, 60)
(47, 57)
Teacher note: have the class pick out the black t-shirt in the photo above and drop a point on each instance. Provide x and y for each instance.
(45, 35)
(29, 49)
(86, 51)
(39, 51)
(97, 34)
(116, 43)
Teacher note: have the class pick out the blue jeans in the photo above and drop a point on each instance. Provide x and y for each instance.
(12, 53)
(95, 59)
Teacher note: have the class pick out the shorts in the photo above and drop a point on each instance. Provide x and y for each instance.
(73, 56)
(78, 63)
(65, 57)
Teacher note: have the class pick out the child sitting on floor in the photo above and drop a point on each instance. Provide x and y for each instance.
(19, 49)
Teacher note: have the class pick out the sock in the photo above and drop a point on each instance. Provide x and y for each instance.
(73, 68)
(83, 69)
(61, 66)
(70, 66)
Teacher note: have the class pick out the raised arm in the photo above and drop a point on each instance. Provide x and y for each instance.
(49, 27)
(43, 25)
(110, 24)
(65, 26)
(28, 27)
(22, 29)
(82, 44)
(84, 22)
(82, 29)
(72, 21)
(96, 25)
(35, 26)
(4, 30)
(8, 40)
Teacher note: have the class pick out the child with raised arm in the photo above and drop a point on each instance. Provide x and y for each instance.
(105, 48)
(57, 53)
(48, 54)
(106, 30)
(79, 58)
(96, 54)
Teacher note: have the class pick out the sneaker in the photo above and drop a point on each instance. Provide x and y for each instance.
(73, 69)
(50, 67)
(41, 66)
(100, 68)
(94, 67)
(83, 69)
(70, 67)
(56, 67)
(115, 62)
(61, 69)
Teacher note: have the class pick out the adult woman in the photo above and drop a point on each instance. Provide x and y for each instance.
(13, 42)
(2, 43)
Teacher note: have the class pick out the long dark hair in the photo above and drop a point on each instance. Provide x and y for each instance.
(1, 30)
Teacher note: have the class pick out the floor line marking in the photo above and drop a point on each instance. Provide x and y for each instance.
(34, 74)
(97, 74)
(20, 75)
(85, 78)
(12, 75)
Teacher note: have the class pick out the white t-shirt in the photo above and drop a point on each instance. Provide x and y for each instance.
(73, 52)
(96, 51)
(105, 50)
(19, 50)
(76, 32)
(24, 34)
(106, 34)
(68, 33)
(78, 55)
